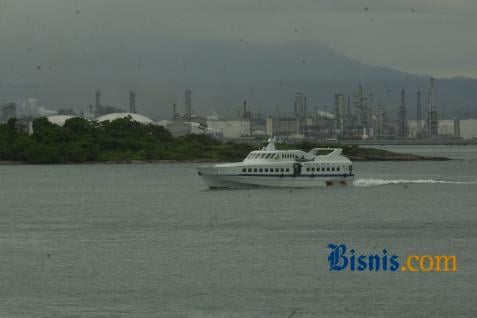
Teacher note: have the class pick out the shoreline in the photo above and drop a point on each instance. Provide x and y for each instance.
(404, 157)
(115, 162)
(129, 162)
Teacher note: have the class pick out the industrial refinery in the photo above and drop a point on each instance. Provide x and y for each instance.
(358, 118)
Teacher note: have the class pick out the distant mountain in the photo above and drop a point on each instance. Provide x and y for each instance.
(242, 61)
(223, 74)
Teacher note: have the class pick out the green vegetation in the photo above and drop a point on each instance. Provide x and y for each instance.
(80, 140)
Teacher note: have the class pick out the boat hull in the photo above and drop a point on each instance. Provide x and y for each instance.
(269, 167)
(245, 181)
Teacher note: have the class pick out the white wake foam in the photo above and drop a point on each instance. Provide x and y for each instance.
(378, 182)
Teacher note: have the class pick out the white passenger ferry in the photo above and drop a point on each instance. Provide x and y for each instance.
(270, 167)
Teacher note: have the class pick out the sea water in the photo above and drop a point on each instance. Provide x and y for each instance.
(150, 240)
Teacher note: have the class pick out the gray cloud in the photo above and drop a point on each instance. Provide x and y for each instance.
(56, 39)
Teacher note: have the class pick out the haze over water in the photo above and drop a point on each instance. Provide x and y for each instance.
(151, 240)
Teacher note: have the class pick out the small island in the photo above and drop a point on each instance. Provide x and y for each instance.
(127, 141)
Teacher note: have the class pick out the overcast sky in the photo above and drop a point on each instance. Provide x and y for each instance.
(436, 37)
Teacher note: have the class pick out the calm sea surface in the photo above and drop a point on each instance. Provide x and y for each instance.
(152, 241)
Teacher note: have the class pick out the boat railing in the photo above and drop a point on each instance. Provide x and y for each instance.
(332, 152)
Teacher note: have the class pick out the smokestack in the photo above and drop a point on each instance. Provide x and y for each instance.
(456, 128)
(132, 102)
(174, 111)
(244, 109)
(428, 117)
(419, 115)
(188, 104)
(431, 123)
(97, 101)
(433, 106)
(402, 116)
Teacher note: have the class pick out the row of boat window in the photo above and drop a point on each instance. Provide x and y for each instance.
(323, 169)
(271, 155)
(277, 170)
(266, 170)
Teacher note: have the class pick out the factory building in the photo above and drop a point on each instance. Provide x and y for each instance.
(353, 117)
(281, 126)
(230, 128)
(449, 128)
(365, 120)
(468, 128)
(179, 129)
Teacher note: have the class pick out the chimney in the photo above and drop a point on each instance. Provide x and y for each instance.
(188, 104)
(132, 102)
(97, 101)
